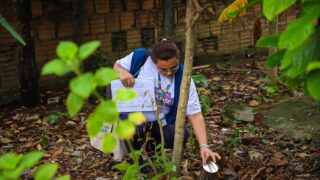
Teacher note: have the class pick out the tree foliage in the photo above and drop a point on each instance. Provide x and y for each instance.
(299, 45)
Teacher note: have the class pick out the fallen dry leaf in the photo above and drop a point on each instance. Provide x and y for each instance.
(57, 152)
(229, 172)
(5, 140)
(253, 103)
(277, 160)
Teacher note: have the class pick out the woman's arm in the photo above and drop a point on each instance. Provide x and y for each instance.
(199, 127)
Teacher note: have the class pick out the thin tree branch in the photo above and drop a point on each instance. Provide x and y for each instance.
(259, 171)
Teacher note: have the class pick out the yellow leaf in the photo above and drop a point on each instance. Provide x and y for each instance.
(125, 130)
(235, 6)
(137, 118)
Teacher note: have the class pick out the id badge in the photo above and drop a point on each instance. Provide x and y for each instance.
(162, 118)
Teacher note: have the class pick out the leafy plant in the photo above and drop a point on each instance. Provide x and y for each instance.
(84, 85)
(270, 90)
(235, 138)
(13, 165)
(205, 102)
(299, 46)
(200, 79)
(55, 116)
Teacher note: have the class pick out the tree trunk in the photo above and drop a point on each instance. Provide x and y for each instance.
(273, 29)
(28, 71)
(168, 18)
(184, 89)
(77, 21)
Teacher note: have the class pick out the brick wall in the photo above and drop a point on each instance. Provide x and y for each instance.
(9, 72)
(121, 25)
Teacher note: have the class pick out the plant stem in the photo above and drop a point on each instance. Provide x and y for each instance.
(151, 163)
(136, 159)
(97, 95)
(156, 113)
(161, 131)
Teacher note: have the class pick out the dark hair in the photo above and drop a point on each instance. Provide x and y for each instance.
(165, 50)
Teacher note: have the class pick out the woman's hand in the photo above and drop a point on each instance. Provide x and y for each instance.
(126, 79)
(206, 154)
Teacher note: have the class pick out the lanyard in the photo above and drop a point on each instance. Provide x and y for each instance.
(162, 93)
(136, 74)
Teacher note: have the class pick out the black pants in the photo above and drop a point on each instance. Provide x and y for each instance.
(151, 131)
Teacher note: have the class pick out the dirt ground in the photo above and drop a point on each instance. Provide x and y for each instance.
(250, 150)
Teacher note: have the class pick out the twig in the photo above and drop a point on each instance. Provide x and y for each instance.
(197, 5)
(199, 11)
(241, 70)
(259, 171)
(201, 67)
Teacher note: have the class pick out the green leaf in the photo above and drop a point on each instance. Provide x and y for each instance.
(137, 118)
(270, 41)
(295, 61)
(83, 85)
(107, 111)
(125, 130)
(109, 142)
(9, 161)
(308, 5)
(74, 104)
(94, 125)
(87, 49)
(313, 84)
(64, 177)
(270, 90)
(158, 176)
(200, 79)
(46, 171)
(11, 30)
(14, 173)
(121, 166)
(275, 59)
(125, 95)
(313, 65)
(298, 31)
(131, 173)
(30, 159)
(56, 66)
(67, 50)
(170, 167)
(104, 76)
(54, 117)
(272, 8)
(264, 141)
